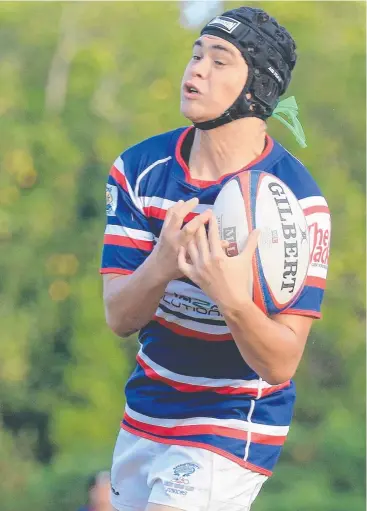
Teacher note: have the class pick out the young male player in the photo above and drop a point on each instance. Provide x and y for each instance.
(210, 401)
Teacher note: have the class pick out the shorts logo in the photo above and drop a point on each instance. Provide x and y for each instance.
(224, 23)
(111, 200)
(179, 485)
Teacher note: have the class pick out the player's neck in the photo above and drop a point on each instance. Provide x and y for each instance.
(227, 148)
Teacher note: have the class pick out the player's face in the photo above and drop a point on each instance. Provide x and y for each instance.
(213, 79)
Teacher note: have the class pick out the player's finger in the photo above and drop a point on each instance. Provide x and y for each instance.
(172, 213)
(251, 244)
(202, 243)
(183, 265)
(191, 227)
(179, 214)
(189, 205)
(225, 245)
(193, 252)
(215, 243)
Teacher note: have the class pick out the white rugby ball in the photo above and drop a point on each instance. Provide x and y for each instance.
(255, 199)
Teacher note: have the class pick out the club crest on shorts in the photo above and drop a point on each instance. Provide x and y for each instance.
(185, 470)
(180, 484)
(111, 200)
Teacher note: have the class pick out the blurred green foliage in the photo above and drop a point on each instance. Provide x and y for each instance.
(80, 82)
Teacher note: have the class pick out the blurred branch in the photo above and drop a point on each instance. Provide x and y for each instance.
(66, 49)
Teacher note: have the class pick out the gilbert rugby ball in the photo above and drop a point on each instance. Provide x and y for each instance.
(258, 200)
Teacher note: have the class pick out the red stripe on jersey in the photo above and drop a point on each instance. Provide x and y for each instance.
(154, 212)
(206, 429)
(188, 387)
(270, 390)
(125, 241)
(303, 312)
(204, 183)
(200, 445)
(192, 333)
(316, 282)
(160, 214)
(190, 216)
(120, 271)
(258, 438)
(118, 177)
(315, 209)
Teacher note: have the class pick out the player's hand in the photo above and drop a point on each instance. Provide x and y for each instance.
(226, 280)
(173, 236)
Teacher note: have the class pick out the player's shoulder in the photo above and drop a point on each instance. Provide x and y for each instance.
(295, 174)
(154, 150)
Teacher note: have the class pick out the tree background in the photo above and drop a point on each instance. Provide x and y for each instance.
(79, 83)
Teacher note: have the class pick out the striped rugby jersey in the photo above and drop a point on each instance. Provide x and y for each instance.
(190, 385)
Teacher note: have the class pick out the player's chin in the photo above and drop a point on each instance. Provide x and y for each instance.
(194, 112)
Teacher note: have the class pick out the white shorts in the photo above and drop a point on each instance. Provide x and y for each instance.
(186, 478)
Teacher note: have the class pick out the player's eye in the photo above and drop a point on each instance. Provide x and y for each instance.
(196, 57)
(219, 63)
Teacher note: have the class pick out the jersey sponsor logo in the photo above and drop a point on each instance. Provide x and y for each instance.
(320, 243)
(224, 23)
(318, 219)
(111, 200)
(188, 303)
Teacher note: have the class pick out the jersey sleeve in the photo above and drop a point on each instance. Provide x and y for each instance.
(318, 219)
(128, 239)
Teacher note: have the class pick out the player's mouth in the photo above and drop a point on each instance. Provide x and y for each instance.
(190, 91)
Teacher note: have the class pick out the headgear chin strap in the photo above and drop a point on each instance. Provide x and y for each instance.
(269, 52)
(287, 108)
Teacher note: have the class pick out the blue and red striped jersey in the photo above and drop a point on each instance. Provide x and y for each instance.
(191, 386)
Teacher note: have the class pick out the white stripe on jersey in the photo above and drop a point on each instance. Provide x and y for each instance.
(119, 164)
(205, 382)
(192, 324)
(136, 234)
(316, 200)
(161, 203)
(209, 421)
(148, 169)
(249, 417)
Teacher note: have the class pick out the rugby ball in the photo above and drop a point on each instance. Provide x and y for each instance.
(255, 199)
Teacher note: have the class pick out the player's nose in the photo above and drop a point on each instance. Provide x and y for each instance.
(201, 68)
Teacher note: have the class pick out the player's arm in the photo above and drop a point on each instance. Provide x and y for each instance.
(131, 300)
(272, 346)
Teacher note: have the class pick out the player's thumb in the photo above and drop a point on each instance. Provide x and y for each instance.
(251, 244)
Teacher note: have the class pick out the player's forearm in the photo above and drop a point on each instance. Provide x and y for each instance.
(131, 301)
(269, 348)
